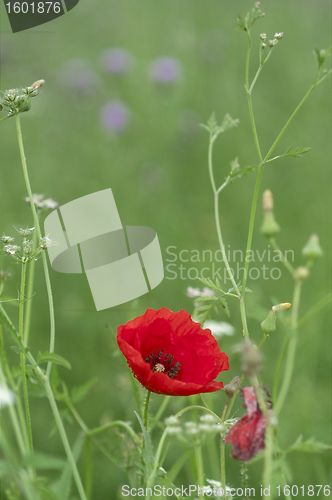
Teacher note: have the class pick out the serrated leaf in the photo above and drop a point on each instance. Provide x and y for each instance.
(236, 173)
(79, 393)
(9, 300)
(205, 298)
(147, 452)
(296, 152)
(224, 305)
(309, 446)
(209, 283)
(54, 358)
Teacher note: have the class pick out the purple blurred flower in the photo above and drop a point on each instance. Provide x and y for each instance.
(165, 70)
(116, 60)
(115, 116)
(76, 75)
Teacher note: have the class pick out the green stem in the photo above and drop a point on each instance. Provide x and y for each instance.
(46, 384)
(221, 243)
(200, 469)
(230, 406)
(279, 368)
(36, 222)
(244, 318)
(223, 468)
(251, 227)
(283, 130)
(216, 215)
(88, 475)
(22, 359)
(289, 365)
(64, 438)
(28, 307)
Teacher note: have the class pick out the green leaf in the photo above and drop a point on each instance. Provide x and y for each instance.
(238, 172)
(321, 55)
(41, 461)
(309, 446)
(147, 452)
(296, 152)
(54, 358)
(17, 349)
(79, 393)
(224, 305)
(215, 129)
(62, 486)
(209, 283)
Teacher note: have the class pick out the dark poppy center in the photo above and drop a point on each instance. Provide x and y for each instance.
(163, 363)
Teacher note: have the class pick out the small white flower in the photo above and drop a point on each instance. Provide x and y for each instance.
(196, 292)
(7, 397)
(50, 203)
(219, 328)
(45, 242)
(172, 420)
(11, 249)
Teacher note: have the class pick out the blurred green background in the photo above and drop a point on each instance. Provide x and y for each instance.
(157, 169)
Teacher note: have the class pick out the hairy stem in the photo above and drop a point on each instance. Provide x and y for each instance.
(22, 360)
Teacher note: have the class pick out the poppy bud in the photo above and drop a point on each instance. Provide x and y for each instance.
(270, 323)
(312, 250)
(270, 227)
(231, 387)
(301, 273)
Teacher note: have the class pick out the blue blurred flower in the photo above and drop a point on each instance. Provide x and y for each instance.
(76, 75)
(165, 70)
(115, 116)
(116, 60)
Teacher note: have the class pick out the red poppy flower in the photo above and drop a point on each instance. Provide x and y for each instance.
(247, 435)
(171, 354)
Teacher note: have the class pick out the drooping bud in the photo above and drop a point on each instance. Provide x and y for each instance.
(301, 273)
(312, 249)
(231, 387)
(270, 322)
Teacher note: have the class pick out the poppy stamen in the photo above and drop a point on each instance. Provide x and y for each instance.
(163, 363)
